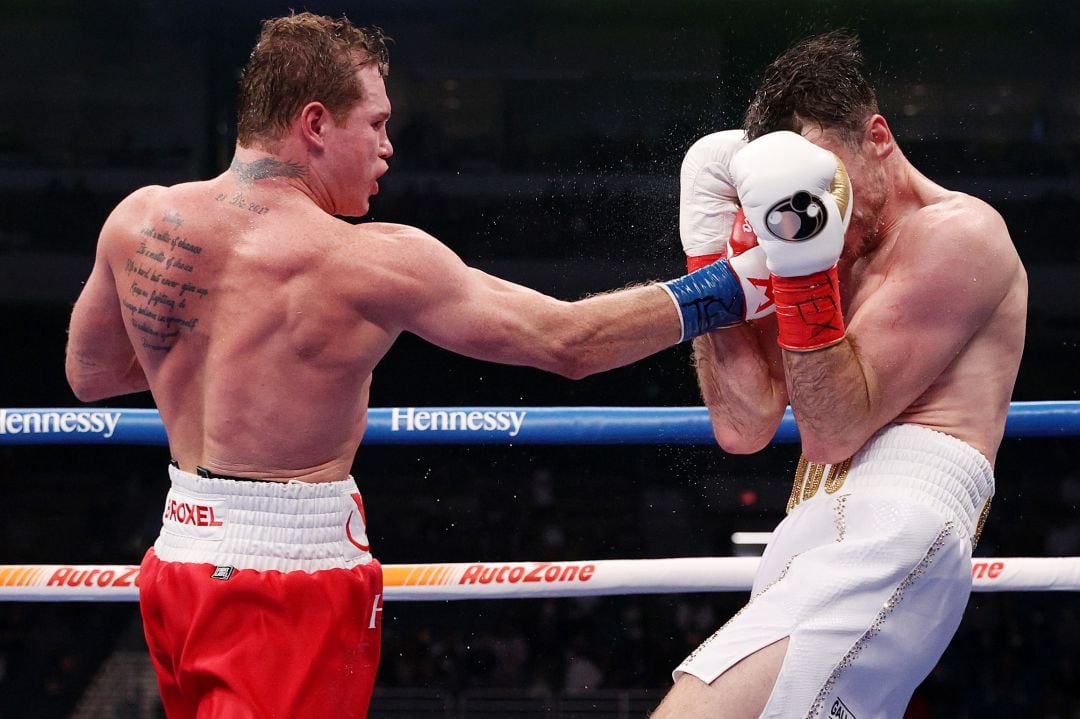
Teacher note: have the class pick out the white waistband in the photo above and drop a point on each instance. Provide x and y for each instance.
(286, 526)
(928, 466)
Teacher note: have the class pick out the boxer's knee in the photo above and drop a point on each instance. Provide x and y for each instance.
(741, 692)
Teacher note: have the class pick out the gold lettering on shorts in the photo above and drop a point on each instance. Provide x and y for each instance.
(813, 480)
(808, 479)
(981, 523)
(796, 489)
(837, 474)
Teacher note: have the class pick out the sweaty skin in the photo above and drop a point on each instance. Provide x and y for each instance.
(935, 299)
(256, 317)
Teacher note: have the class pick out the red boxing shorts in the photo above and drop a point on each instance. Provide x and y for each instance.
(262, 599)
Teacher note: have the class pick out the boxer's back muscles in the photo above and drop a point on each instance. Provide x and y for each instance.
(239, 304)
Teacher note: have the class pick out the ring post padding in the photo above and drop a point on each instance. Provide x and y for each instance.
(524, 580)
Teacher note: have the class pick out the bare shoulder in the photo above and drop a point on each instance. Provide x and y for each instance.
(401, 253)
(960, 231)
(400, 270)
(957, 224)
(151, 199)
(405, 237)
(137, 202)
(403, 245)
(115, 233)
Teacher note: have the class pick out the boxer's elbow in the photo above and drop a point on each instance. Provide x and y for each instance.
(571, 362)
(571, 350)
(89, 384)
(576, 372)
(742, 438)
(76, 378)
(83, 387)
(738, 443)
(829, 447)
(86, 386)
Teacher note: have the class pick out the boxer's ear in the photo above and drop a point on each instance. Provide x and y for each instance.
(312, 121)
(879, 136)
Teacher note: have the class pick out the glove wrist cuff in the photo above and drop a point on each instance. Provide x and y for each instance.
(707, 299)
(808, 310)
(698, 261)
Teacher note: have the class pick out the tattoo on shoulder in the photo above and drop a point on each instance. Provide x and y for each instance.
(249, 172)
(161, 272)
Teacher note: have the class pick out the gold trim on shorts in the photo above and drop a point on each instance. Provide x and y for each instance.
(808, 479)
(982, 521)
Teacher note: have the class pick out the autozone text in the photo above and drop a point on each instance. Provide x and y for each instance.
(438, 420)
(37, 422)
(513, 574)
(73, 577)
(987, 570)
(198, 514)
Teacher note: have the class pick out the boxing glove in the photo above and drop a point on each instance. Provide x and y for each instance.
(797, 197)
(723, 294)
(711, 225)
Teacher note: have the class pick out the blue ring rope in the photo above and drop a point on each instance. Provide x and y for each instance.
(480, 425)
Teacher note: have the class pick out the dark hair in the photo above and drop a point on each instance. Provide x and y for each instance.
(299, 59)
(817, 81)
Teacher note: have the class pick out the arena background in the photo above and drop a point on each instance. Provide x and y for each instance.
(541, 140)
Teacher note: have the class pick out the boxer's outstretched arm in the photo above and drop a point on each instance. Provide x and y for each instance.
(426, 289)
(100, 360)
(491, 319)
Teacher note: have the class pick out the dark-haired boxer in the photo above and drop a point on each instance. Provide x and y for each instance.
(899, 325)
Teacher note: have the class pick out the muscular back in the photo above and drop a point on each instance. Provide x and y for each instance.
(248, 325)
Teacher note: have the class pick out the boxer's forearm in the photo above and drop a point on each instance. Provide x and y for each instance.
(94, 377)
(615, 329)
(100, 360)
(831, 398)
(742, 385)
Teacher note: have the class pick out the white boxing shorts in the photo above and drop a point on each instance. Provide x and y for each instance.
(868, 576)
(261, 599)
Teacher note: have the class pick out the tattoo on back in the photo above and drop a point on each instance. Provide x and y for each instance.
(249, 172)
(161, 300)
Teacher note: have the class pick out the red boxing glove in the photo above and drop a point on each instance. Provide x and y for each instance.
(742, 239)
(742, 235)
(808, 310)
(697, 262)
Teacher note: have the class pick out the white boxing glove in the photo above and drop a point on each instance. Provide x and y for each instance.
(708, 200)
(711, 223)
(797, 197)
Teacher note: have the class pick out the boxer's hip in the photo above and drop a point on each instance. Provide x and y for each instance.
(911, 462)
(284, 526)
